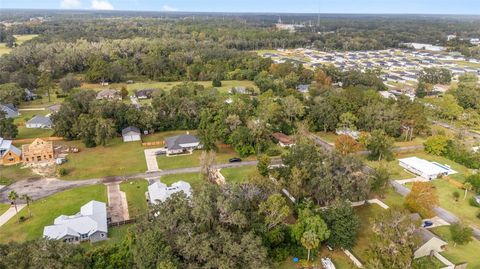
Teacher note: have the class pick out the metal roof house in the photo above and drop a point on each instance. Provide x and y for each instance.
(131, 134)
(10, 110)
(109, 94)
(39, 122)
(181, 144)
(90, 224)
(424, 168)
(159, 192)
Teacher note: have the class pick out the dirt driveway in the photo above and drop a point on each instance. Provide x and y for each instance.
(117, 203)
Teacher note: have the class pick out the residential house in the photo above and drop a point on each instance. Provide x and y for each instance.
(144, 93)
(10, 110)
(477, 199)
(159, 192)
(345, 131)
(283, 140)
(429, 243)
(131, 134)
(39, 122)
(9, 154)
(109, 94)
(239, 90)
(29, 95)
(181, 144)
(90, 224)
(440, 88)
(425, 169)
(38, 151)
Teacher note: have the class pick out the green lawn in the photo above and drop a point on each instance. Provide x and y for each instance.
(116, 159)
(338, 258)
(238, 175)
(193, 160)
(226, 85)
(392, 198)
(14, 173)
(20, 39)
(459, 254)
(195, 179)
(3, 208)
(462, 208)
(43, 102)
(44, 211)
(395, 170)
(162, 135)
(417, 141)
(329, 137)
(366, 213)
(24, 132)
(135, 192)
(115, 236)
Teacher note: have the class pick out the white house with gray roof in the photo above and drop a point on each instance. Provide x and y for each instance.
(39, 122)
(90, 224)
(181, 144)
(159, 192)
(10, 110)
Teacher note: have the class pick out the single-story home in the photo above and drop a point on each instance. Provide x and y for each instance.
(159, 192)
(10, 110)
(30, 95)
(283, 140)
(181, 144)
(90, 224)
(429, 243)
(131, 134)
(477, 199)
(345, 131)
(425, 169)
(9, 154)
(239, 90)
(109, 94)
(144, 93)
(39, 122)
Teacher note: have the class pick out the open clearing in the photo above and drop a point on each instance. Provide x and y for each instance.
(20, 40)
(44, 211)
(135, 191)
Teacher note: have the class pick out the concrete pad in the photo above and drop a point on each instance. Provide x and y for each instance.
(117, 203)
(437, 222)
(410, 180)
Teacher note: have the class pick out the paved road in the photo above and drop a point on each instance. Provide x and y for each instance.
(10, 213)
(41, 188)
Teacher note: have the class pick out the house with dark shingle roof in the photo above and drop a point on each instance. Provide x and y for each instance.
(181, 144)
(10, 110)
(39, 122)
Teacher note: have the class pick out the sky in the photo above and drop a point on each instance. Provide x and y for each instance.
(271, 6)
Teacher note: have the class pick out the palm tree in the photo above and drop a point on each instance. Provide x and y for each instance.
(310, 241)
(27, 200)
(468, 187)
(13, 196)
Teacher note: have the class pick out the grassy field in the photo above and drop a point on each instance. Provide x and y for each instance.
(117, 158)
(395, 170)
(43, 102)
(462, 208)
(44, 211)
(459, 254)
(162, 135)
(226, 85)
(3, 208)
(20, 39)
(24, 132)
(135, 192)
(115, 236)
(329, 137)
(338, 258)
(193, 160)
(238, 175)
(366, 213)
(12, 173)
(195, 179)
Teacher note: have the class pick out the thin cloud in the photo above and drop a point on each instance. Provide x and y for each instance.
(169, 8)
(70, 3)
(102, 5)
